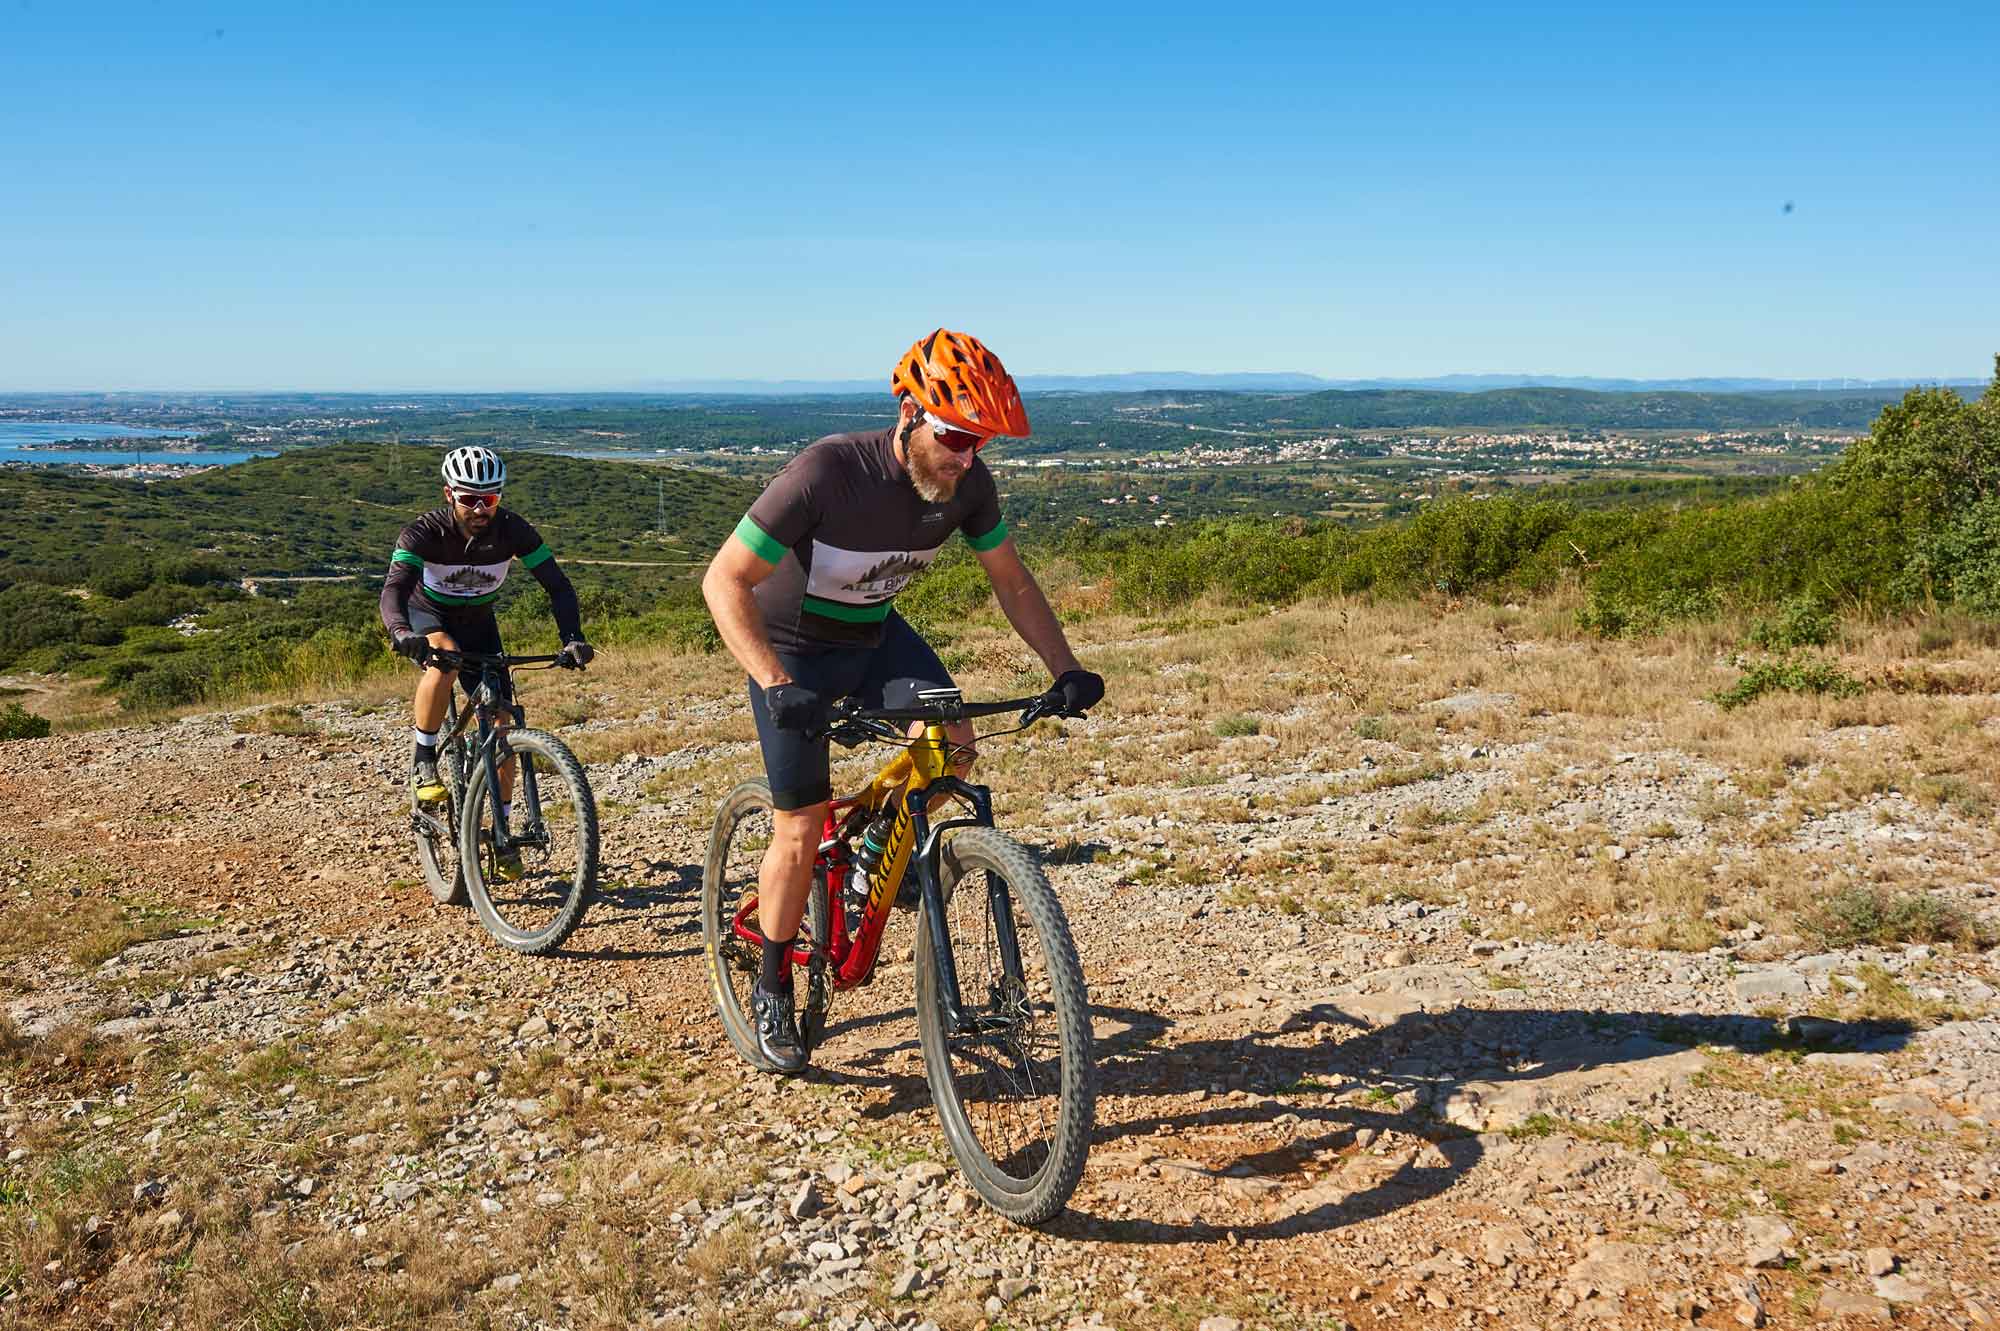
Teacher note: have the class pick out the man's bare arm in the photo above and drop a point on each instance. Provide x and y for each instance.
(1021, 600)
(726, 587)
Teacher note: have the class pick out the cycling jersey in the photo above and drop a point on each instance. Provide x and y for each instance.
(459, 577)
(847, 531)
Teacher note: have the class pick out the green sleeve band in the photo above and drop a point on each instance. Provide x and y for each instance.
(406, 557)
(541, 554)
(990, 539)
(874, 613)
(762, 544)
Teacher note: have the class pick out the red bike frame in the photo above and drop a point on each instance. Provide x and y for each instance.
(851, 956)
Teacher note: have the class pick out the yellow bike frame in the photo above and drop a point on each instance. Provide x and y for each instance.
(914, 769)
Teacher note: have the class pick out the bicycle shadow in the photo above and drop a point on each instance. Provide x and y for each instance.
(1300, 1175)
(1282, 1177)
(666, 908)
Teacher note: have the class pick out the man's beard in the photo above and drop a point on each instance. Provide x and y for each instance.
(933, 486)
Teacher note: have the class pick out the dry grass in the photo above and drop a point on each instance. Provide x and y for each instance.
(279, 719)
(72, 909)
(1340, 685)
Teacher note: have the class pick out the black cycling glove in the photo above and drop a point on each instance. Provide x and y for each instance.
(413, 645)
(575, 655)
(795, 707)
(1080, 690)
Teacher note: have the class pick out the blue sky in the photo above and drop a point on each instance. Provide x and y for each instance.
(367, 196)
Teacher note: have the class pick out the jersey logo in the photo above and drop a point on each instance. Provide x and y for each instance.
(468, 579)
(888, 576)
(863, 577)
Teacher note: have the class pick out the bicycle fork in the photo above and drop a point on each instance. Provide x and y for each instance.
(493, 746)
(999, 906)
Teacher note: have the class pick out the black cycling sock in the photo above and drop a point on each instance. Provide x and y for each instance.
(426, 753)
(776, 975)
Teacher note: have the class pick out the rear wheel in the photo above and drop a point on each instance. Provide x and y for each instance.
(436, 829)
(742, 833)
(557, 842)
(1015, 1090)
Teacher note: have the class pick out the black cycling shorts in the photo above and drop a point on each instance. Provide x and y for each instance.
(473, 631)
(799, 769)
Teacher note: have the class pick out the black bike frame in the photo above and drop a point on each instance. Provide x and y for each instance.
(485, 704)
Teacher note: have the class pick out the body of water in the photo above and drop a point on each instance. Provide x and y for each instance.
(14, 434)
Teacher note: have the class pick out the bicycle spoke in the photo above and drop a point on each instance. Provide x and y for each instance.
(1010, 1102)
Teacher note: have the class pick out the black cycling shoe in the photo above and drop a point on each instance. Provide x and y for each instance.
(778, 1036)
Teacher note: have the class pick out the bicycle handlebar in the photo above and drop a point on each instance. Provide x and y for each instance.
(464, 658)
(877, 720)
(938, 711)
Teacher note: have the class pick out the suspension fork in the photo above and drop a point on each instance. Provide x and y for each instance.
(929, 864)
(529, 794)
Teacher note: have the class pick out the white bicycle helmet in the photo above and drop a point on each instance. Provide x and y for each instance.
(474, 467)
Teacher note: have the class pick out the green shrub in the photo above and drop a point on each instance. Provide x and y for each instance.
(119, 573)
(17, 722)
(173, 685)
(1801, 621)
(1789, 674)
(1236, 725)
(1960, 562)
(1937, 453)
(33, 615)
(158, 603)
(1612, 614)
(1160, 578)
(1874, 915)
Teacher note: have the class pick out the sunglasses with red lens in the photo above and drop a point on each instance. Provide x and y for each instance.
(468, 499)
(958, 441)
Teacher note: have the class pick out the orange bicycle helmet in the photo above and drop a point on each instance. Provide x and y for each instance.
(955, 378)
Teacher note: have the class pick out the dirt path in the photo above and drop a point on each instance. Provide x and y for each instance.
(1392, 1112)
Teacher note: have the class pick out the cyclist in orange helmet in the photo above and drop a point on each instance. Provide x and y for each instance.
(802, 594)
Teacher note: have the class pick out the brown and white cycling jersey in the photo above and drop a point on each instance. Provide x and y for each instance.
(847, 531)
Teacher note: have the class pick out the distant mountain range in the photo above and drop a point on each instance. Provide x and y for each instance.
(1171, 380)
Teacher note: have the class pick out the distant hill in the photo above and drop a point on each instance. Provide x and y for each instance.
(1480, 383)
(1520, 408)
(1133, 381)
(337, 509)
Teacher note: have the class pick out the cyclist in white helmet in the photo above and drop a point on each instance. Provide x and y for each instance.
(447, 568)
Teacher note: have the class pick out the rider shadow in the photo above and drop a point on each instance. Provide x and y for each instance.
(667, 908)
(1401, 1090)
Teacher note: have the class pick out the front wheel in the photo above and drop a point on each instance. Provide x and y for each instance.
(1014, 1088)
(533, 909)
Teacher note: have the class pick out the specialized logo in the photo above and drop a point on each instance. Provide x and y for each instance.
(892, 857)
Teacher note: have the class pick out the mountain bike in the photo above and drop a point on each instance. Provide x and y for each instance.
(1002, 1016)
(463, 839)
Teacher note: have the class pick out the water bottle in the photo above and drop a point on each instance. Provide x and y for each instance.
(874, 840)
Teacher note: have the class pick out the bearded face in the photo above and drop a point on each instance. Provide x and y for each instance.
(935, 470)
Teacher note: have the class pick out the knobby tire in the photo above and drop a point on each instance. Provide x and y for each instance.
(561, 785)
